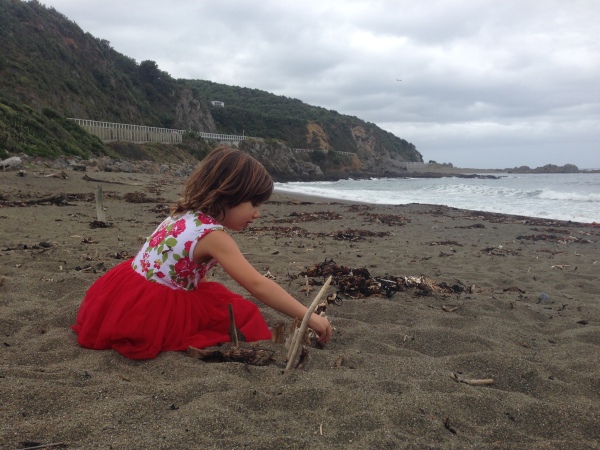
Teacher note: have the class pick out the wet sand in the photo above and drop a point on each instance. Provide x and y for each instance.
(387, 379)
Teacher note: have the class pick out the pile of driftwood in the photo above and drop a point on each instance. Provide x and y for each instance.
(358, 282)
(253, 355)
(235, 352)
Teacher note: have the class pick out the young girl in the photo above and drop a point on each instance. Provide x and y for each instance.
(161, 300)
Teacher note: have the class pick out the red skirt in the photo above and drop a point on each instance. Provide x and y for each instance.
(139, 318)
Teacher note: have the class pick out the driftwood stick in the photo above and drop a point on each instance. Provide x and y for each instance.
(56, 444)
(235, 334)
(56, 199)
(292, 341)
(99, 208)
(297, 341)
(480, 382)
(277, 332)
(303, 358)
(97, 180)
(232, 328)
(62, 175)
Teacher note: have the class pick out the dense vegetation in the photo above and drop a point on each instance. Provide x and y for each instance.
(50, 69)
(48, 134)
(266, 115)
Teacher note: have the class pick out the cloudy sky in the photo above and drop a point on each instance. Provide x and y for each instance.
(484, 83)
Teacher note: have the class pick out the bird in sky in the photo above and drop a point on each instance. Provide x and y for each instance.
(398, 79)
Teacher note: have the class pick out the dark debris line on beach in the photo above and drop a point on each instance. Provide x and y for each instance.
(358, 282)
(298, 232)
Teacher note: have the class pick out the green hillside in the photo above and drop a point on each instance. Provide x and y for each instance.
(50, 69)
(267, 115)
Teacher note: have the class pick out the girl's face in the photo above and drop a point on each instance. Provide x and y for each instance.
(240, 216)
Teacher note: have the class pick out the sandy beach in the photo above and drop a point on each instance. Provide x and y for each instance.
(490, 338)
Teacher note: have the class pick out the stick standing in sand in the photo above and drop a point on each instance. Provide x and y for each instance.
(161, 300)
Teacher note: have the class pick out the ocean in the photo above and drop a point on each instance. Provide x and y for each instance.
(574, 197)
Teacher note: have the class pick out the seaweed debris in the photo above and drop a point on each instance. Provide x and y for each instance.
(141, 197)
(348, 234)
(309, 217)
(391, 220)
(356, 235)
(554, 238)
(358, 282)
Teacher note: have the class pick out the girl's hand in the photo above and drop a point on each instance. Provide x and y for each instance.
(321, 326)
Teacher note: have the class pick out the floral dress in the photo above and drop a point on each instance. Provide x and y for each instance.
(166, 256)
(159, 300)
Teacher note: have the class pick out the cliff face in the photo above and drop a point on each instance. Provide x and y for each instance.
(316, 137)
(284, 164)
(192, 114)
(281, 162)
(376, 159)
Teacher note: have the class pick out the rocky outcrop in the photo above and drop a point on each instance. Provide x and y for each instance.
(281, 163)
(14, 162)
(317, 137)
(192, 114)
(376, 158)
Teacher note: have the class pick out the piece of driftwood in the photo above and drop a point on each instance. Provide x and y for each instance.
(278, 333)
(41, 446)
(62, 175)
(86, 177)
(303, 358)
(299, 333)
(448, 426)
(235, 334)
(473, 382)
(247, 355)
(56, 199)
(100, 215)
(306, 288)
(448, 308)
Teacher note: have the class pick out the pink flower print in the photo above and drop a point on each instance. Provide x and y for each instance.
(178, 228)
(158, 237)
(184, 268)
(201, 272)
(206, 219)
(187, 246)
(145, 265)
(157, 263)
(159, 274)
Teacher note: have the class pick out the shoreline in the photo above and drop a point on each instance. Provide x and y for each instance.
(514, 217)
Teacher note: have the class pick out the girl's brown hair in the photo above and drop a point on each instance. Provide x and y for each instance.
(224, 179)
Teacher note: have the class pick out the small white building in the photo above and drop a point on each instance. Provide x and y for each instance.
(217, 103)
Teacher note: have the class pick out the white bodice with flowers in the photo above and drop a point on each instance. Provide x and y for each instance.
(166, 256)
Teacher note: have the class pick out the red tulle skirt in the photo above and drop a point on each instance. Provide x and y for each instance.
(139, 319)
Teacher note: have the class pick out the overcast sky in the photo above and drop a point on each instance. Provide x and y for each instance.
(484, 83)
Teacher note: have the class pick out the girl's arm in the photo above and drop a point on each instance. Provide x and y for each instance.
(222, 247)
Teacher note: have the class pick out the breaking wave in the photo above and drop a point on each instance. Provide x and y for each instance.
(574, 197)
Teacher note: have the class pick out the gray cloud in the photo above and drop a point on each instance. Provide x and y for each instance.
(484, 83)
